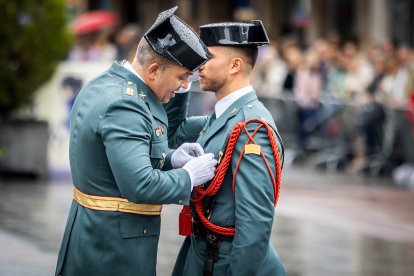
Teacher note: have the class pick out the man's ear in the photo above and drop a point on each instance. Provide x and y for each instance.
(153, 70)
(237, 65)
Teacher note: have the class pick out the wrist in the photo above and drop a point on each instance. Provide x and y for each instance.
(174, 162)
(188, 170)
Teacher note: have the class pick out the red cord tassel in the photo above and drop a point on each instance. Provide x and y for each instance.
(185, 222)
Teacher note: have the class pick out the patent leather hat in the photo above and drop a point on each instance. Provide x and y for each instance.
(236, 34)
(173, 39)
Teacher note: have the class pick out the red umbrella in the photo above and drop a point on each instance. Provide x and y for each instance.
(93, 21)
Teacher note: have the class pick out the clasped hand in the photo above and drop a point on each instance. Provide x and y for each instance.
(185, 153)
(191, 157)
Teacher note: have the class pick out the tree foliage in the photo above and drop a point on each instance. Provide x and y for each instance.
(34, 38)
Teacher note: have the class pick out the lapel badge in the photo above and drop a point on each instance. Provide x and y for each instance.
(159, 130)
(233, 111)
(130, 91)
(142, 95)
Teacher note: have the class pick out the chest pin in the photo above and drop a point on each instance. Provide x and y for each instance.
(130, 91)
(142, 95)
(159, 130)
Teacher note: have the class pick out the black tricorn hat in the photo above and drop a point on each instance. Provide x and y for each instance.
(234, 34)
(173, 39)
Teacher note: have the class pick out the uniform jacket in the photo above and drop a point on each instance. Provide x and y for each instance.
(118, 142)
(250, 209)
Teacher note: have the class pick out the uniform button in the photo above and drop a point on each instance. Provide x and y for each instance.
(130, 82)
(145, 231)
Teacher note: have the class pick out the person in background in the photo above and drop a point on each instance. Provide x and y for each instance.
(94, 46)
(269, 73)
(125, 40)
(308, 92)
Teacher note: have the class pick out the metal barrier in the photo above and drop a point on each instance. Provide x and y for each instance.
(335, 127)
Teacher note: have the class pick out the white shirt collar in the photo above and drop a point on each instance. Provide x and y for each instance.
(128, 66)
(224, 103)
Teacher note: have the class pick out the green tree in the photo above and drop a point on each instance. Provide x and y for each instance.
(34, 38)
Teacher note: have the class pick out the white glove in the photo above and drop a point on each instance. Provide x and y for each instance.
(185, 153)
(201, 169)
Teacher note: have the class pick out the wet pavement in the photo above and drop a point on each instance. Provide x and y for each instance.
(326, 224)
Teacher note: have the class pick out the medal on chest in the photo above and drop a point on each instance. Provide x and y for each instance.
(159, 130)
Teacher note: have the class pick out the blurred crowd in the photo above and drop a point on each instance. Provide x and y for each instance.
(354, 106)
(384, 72)
(106, 44)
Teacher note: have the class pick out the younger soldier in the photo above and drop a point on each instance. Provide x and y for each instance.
(231, 228)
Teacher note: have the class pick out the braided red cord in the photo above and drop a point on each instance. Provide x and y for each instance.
(216, 183)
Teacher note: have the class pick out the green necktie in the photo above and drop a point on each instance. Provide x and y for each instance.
(211, 120)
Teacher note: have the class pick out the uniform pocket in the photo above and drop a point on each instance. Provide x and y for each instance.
(135, 226)
(158, 153)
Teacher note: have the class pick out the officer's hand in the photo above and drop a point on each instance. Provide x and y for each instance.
(185, 153)
(201, 169)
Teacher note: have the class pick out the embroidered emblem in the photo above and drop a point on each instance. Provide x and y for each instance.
(130, 91)
(252, 148)
(159, 130)
(142, 95)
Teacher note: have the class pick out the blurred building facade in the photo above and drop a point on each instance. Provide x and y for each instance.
(364, 21)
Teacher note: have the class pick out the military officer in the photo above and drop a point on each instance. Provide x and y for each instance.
(249, 209)
(118, 144)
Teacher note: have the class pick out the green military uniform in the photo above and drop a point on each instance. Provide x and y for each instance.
(250, 209)
(117, 146)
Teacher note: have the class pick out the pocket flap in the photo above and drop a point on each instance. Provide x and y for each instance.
(158, 148)
(134, 226)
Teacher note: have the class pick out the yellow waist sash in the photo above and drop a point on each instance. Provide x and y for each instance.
(117, 204)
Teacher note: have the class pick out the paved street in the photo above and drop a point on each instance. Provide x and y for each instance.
(326, 224)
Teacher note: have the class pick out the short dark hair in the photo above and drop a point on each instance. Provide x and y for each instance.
(145, 55)
(249, 53)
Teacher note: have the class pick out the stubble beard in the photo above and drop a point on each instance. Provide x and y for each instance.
(213, 85)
